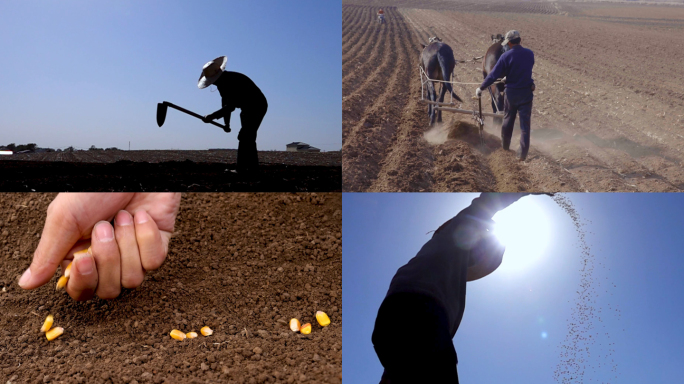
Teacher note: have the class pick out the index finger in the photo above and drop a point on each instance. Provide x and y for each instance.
(60, 233)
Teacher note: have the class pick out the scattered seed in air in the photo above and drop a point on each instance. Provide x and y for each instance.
(587, 347)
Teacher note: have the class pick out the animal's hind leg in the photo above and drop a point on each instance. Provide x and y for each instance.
(433, 96)
(442, 92)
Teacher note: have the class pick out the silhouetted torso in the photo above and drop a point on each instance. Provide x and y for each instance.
(239, 91)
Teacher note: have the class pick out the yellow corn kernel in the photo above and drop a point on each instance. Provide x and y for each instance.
(82, 251)
(206, 331)
(178, 335)
(322, 318)
(61, 283)
(295, 325)
(67, 271)
(191, 335)
(54, 333)
(305, 329)
(47, 324)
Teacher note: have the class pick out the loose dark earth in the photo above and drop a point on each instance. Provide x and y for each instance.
(242, 264)
(178, 171)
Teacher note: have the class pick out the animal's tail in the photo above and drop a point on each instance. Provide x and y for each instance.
(446, 75)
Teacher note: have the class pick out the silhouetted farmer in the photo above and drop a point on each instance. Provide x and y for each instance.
(516, 65)
(237, 91)
(426, 298)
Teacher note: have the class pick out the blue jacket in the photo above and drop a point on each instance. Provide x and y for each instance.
(516, 64)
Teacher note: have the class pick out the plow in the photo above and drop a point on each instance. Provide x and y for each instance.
(451, 106)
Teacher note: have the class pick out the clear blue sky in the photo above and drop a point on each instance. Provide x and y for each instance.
(637, 238)
(88, 73)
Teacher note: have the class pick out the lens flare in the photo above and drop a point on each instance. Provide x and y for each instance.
(524, 229)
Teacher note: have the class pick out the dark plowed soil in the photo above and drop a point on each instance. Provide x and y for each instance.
(242, 264)
(164, 176)
(604, 118)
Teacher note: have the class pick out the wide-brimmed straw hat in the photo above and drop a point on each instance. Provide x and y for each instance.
(211, 71)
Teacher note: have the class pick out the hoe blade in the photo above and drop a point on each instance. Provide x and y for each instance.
(161, 113)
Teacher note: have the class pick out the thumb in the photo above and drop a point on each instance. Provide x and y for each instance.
(60, 233)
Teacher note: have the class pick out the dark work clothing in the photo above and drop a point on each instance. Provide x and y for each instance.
(438, 275)
(519, 102)
(239, 91)
(516, 65)
(412, 340)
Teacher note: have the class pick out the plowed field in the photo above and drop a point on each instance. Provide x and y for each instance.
(608, 113)
(178, 171)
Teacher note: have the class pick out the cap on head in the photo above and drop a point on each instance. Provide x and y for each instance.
(212, 71)
(511, 35)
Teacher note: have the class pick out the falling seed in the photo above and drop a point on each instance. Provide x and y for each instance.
(67, 271)
(191, 335)
(47, 324)
(206, 331)
(62, 282)
(305, 329)
(583, 337)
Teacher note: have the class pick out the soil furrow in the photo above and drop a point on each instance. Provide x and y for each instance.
(367, 146)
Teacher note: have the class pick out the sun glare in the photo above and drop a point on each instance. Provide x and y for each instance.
(524, 229)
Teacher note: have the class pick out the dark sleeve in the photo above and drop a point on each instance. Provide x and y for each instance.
(225, 111)
(496, 73)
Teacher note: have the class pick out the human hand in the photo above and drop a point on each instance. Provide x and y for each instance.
(226, 129)
(120, 255)
(478, 92)
(208, 118)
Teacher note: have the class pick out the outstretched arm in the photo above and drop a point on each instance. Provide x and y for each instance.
(471, 228)
(482, 208)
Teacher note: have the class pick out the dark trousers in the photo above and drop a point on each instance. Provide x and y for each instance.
(412, 341)
(247, 158)
(516, 102)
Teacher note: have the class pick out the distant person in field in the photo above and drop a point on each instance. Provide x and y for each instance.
(381, 15)
(516, 66)
(237, 91)
(426, 298)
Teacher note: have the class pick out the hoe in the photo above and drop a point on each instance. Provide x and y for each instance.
(163, 107)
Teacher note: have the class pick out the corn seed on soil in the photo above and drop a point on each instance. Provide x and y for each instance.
(242, 264)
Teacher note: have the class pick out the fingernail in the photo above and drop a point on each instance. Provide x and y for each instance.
(124, 218)
(141, 217)
(104, 231)
(25, 278)
(84, 263)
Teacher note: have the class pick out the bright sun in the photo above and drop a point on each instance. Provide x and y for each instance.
(524, 229)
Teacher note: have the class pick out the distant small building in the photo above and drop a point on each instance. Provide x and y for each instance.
(298, 146)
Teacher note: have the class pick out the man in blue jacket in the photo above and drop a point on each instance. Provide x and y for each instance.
(516, 66)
